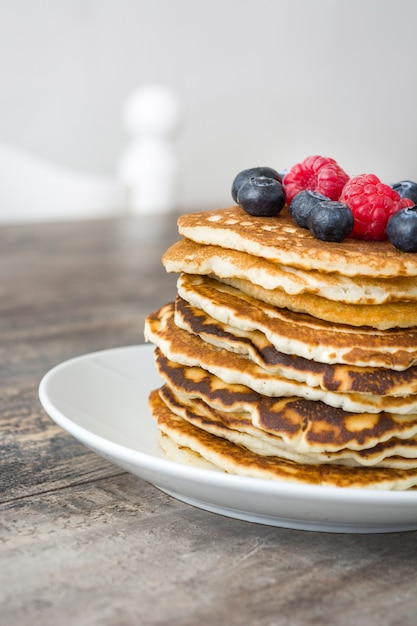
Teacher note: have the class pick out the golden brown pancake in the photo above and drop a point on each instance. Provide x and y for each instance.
(255, 346)
(381, 317)
(238, 428)
(299, 334)
(282, 241)
(252, 277)
(235, 459)
(186, 349)
(305, 426)
(192, 258)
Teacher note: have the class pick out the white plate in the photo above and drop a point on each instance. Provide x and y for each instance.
(101, 399)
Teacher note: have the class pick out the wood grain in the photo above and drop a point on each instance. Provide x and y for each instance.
(83, 543)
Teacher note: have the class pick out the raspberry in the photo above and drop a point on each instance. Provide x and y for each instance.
(315, 173)
(406, 202)
(372, 204)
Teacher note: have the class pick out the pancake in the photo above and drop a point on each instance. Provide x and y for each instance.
(381, 317)
(186, 349)
(282, 241)
(255, 346)
(307, 427)
(193, 258)
(216, 262)
(294, 333)
(239, 429)
(183, 455)
(236, 459)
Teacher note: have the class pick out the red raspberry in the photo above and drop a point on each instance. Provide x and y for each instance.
(405, 202)
(372, 204)
(315, 173)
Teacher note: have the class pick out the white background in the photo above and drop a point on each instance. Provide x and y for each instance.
(262, 82)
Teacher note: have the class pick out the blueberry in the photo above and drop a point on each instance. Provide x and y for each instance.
(330, 220)
(402, 229)
(302, 204)
(252, 172)
(406, 189)
(261, 196)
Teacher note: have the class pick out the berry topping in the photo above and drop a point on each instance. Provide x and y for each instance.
(302, 204)
(252, 172)
(315, 173)
(261, 196)
(330, 220)
(372, 204)
(406, 189)
(402, 229)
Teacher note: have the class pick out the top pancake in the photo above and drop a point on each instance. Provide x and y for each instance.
(281, 240)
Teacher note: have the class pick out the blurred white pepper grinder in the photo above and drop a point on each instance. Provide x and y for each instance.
(149, 167)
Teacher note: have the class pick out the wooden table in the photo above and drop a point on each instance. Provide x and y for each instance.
(84, 543)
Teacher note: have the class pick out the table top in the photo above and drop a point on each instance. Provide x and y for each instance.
(83, 542)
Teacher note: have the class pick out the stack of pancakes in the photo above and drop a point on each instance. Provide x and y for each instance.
(285, 357)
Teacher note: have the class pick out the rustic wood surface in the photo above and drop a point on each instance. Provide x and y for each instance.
(83, 543)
